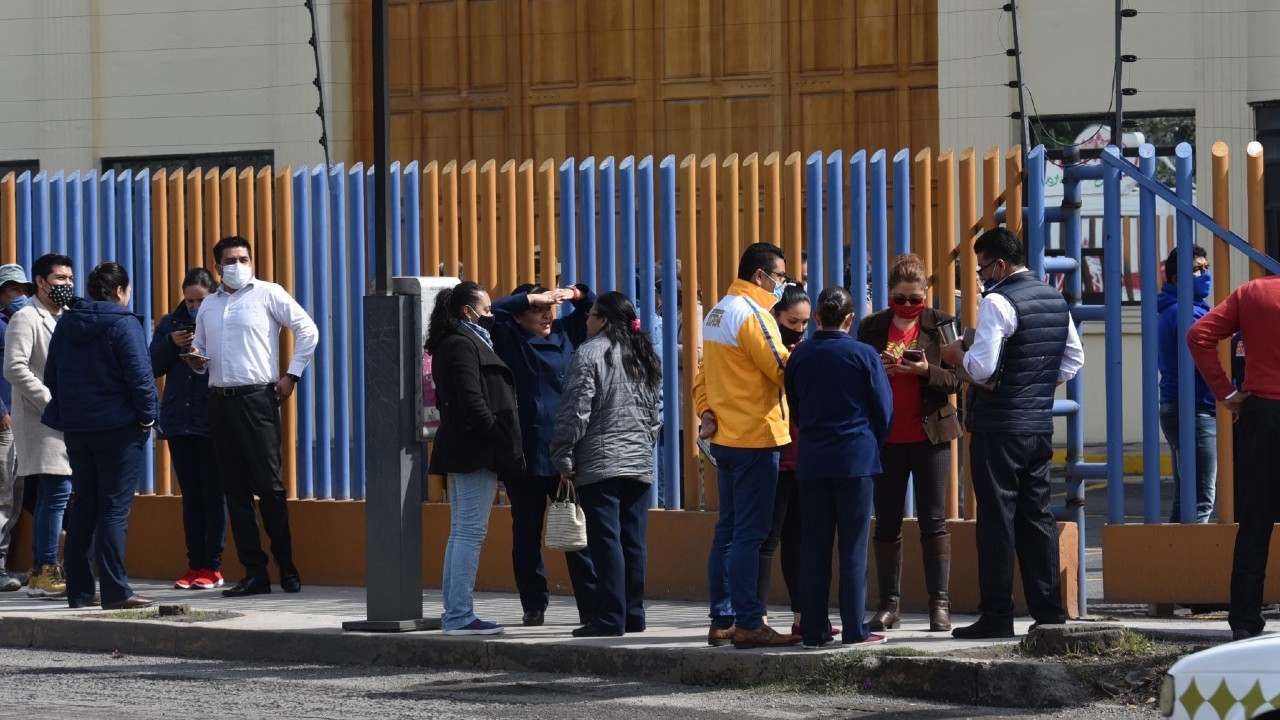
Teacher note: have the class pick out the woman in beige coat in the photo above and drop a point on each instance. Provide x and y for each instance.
(40, 450)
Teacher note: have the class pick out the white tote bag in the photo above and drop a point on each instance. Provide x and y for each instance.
(566, 523)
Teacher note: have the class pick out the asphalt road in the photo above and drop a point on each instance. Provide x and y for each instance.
(69, 685)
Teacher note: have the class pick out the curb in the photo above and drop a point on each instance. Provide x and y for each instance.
(1002, 683)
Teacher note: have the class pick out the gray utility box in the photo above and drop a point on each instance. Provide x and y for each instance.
(425, 289)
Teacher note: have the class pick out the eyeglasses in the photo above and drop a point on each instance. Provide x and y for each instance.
(983, 268)
(779, 278)
(905, 300)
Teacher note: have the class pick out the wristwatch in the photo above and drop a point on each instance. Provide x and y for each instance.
(294, 378)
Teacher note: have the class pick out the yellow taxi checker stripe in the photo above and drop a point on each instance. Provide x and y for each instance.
(1253, 700)
(1191, 699)
(1222, 699)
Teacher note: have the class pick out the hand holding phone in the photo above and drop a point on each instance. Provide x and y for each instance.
(913, 355)
(194, 360)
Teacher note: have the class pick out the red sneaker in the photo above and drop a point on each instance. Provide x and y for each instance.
(208, 580)
(186, 581)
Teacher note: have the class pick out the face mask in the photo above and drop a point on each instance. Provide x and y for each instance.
(236, 275)
(1202, 285)
(989, 284)
(905, 311)
(17, 304)
(60, 295)
(484, 321)
(778, 289)
(192, 311)
(790, 337)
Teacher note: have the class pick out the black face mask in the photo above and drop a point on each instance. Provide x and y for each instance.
(790, 337)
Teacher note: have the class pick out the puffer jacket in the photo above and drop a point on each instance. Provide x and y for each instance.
(608, 423)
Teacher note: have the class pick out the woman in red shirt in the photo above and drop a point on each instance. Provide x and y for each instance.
(919, 442)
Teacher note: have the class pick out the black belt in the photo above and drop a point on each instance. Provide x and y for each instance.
(239, 390)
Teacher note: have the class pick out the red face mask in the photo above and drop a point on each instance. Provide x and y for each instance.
(905, 311)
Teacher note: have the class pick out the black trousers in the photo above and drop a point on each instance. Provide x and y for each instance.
(528, 497)
(204, 510)
(1011, 486)
(1257, 509)
(930, 466)
(246, 434)
(617, 511)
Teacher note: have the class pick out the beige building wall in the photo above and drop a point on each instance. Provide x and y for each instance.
(88, 79)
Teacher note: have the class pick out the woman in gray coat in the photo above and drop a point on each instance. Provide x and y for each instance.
(606, 429)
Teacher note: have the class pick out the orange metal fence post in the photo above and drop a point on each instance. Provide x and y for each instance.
(1013, 191)
(969, 287)
(212, 208)
(178, 223)
(709, 221)
(922, 223)
(487, 247)
(195, 222)
(161, 272)
(284, 276)
(230, 218)
(687, 252)
(750, 200)
(547, 224)
(244, 210)
(470, 239)
(723, 258)
(991, 193)
(9, 219)
(793, 209)
(1221, 287)
(265, 233)
(431, 219)
(508, 268)
(772, 200)
(449, 253)
(527, 238)
(1257, 208)
(945, 280)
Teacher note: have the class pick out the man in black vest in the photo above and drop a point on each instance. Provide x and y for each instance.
(1024, 346)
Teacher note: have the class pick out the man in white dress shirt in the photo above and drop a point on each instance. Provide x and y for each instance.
(1024, 346)
(237, 343)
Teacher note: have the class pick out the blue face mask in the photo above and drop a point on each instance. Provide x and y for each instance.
(989, 284)
(192, 311)
(1202, 285)
(17, 304)
(778, 289)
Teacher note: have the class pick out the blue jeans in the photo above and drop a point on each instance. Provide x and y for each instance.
(105, 467)
(748, 478)
(470, 502)
(52, 493)
(825, 507)
(1206, 460)
(617, 511)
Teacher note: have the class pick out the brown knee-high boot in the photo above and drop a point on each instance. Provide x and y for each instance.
(937, 578)
(889, 578)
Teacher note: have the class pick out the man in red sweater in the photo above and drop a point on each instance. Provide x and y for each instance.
(1253, 310)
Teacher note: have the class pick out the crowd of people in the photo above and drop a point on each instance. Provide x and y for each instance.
(78, 403)
(813, 434)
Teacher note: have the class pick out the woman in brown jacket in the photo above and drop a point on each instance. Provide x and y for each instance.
(919, 442)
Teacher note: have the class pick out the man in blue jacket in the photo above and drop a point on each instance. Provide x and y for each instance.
(1206, 411)
(15, 292)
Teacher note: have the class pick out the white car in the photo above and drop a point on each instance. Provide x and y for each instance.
(1234, 681)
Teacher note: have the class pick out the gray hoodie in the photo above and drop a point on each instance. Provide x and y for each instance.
(608, 423)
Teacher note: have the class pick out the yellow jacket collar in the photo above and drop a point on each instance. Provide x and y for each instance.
(762, 297)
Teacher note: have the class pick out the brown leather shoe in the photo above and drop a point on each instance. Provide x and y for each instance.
(719, 637)
(763, 636)
(133, 602)
(887, 616)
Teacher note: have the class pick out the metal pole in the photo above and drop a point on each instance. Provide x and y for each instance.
(1117, 125)
(1017, 65)
(319, 82)
(381, 156)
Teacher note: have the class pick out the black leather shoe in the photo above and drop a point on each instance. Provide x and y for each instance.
(533, 618)
(249, 586)
(95, 601)
(593, 630)
(290, 581)
(636, 627)
(133, 602)
(984, 629)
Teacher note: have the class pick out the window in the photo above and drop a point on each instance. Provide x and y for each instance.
(17, 167)
(239, 160)
(1266, 117)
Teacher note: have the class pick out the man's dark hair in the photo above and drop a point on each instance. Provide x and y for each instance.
(45, 265)
(1000, 244)
(228, 242)
(760, 256)
(1171, 262)
(105, 280)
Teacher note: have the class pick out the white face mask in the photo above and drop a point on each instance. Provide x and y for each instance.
(236, 275)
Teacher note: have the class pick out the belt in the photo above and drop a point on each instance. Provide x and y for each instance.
(239, 390)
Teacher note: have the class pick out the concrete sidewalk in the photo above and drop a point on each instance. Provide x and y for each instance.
(306, 627)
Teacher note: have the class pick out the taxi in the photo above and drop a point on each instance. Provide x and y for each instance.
(1235, 681)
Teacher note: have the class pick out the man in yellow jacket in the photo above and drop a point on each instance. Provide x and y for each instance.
(738, 396)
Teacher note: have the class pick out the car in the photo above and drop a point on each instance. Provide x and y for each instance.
(1233, 681)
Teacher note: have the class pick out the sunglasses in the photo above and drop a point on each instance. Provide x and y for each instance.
(904, 300)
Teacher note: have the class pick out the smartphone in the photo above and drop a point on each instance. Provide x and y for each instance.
(185, 327)
(913, 355)
(197, 356)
